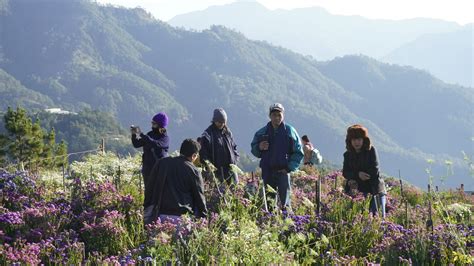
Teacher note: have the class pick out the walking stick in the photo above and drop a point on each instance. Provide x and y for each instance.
(430, 213)
(318, 196)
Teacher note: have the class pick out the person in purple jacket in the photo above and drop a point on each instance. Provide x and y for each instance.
(155, 145)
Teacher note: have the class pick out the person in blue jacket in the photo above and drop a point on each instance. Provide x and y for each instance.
(278, 145)
(155, 145)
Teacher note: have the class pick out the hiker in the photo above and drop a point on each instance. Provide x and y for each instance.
(177, 187)
(312, 156)
(155, 145)
(219, 148)
(361, 168)
(278, 145)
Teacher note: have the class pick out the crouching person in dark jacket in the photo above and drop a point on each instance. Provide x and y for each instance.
(219, 148)
(361, 168)
(177, 187)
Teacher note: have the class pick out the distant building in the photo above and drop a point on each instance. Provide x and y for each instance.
(59, 111)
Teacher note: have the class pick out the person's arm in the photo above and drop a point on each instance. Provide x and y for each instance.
(137, 142)
(256, 142)
(162, 143)
(347, 170)
(373, 170)
(206, 149)
(234, 149)
(198, 194)
(306, 149)
(297, 156)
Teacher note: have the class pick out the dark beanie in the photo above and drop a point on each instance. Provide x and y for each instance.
(161, 119)
(219, 116)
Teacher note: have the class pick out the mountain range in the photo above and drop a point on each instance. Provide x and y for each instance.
(79, 55)
(442, 48)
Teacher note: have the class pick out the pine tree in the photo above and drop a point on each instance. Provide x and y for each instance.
(49, 149)
(3, 150)
(26, 143)
(19, 129)
(61, 154)
(35, 145)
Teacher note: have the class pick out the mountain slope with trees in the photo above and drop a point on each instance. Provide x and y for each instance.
(85, 56)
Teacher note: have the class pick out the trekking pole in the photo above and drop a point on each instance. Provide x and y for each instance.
(277, 200)
(318, 196)
(64, 178)
(402, 194)
(102, 146)
(118, 177)
(406, 213)
(140, 184)
(430, 223)
(404, 199)
(264, 197)
(113, 178)
(401, 183)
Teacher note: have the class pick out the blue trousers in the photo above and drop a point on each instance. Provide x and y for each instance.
(377, 203)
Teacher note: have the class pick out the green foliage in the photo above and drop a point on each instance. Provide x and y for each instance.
(15, 94)
(26, 143)
(109, 167)
(86, 129)
(107, 218)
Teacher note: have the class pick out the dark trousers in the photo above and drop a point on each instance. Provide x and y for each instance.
(281, 183)
(226, 174)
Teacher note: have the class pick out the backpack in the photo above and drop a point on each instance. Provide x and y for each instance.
(316, 157)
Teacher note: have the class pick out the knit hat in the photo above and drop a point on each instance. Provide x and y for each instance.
(161, 119)
(219, 115)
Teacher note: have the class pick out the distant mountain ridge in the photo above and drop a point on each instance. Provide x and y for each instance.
(449, 56)
(316, 32)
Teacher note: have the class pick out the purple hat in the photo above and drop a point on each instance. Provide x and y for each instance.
(161, 119)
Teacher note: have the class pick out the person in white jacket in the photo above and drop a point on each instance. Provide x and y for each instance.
(312, 156)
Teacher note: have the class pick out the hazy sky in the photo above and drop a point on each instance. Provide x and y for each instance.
(461, 11)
